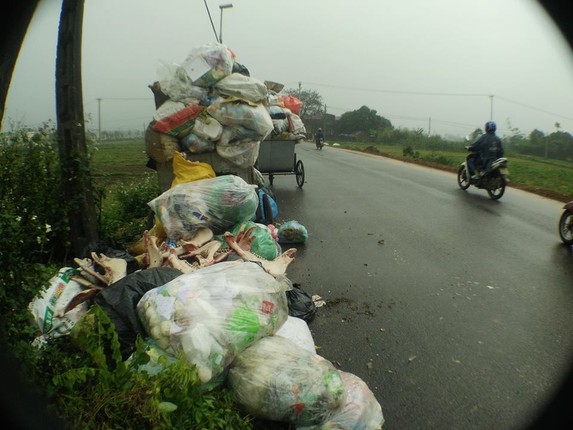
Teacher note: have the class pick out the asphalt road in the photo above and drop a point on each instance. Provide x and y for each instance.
(455, 309)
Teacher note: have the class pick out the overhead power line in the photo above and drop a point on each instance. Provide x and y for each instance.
(533, 107)
(429, 93)
(376, 90)
(211, 19)
(124, 98)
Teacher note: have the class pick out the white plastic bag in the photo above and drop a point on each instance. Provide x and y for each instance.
(207, 64)
(208, 128)
(243, 87)
(175, 83)
(196, 145)
(214, 313)
(296, 126)
(216, 203)
(48, 305)
(277, 380)
(361, 411)
(242, 154)
(296, 330)
(256, 118)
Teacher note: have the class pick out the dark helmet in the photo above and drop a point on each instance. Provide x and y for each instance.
(490, 126)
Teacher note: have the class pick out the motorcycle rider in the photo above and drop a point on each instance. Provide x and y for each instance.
(488, 147)
(319, 138)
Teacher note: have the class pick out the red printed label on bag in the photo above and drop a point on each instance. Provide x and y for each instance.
(267, 307)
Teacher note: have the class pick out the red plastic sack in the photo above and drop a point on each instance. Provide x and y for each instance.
(292, 103)
(180, 123)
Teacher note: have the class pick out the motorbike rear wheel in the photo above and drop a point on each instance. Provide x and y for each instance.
(463, 180)
(496, 193)
(566, 227)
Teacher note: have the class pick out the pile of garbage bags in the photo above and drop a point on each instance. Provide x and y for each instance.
(235, 323)
(208, 284)
(209, 103)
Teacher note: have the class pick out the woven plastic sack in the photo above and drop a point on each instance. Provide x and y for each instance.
(160, 146)
(175, 119)
(214, 313)
(48, 306)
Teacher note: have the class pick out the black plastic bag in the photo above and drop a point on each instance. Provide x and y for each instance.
(300, 303)
(120, 299)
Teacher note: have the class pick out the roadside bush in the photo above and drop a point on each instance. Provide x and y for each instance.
(86, 383)
(32, 221)
(125, 213)
(93, 388)
(410, 152)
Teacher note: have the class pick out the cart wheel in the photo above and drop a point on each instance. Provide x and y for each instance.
(271, 177)
(268, 209)
(299, 171)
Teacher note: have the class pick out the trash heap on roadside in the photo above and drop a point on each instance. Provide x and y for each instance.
(210, 104)
(209, 281)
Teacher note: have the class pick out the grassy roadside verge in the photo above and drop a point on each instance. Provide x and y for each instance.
(549, 178)
(125, 161)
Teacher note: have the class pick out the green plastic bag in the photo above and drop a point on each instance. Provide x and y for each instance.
(292, 232)
(264, 245)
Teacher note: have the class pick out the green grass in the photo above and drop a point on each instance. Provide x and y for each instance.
(119, 161)
(125, 161)
(550, 178)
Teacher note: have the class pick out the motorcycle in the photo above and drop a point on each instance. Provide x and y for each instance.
(319, 143)
(566, 224)
(493, 180)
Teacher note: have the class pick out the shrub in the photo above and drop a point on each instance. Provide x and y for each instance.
(85, 382)
(94, 388)
(125, 213)
(33, 224)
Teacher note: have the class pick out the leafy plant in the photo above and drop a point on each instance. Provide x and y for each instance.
(33, 225)
(125, 213)
(410, 152)
(99, 390)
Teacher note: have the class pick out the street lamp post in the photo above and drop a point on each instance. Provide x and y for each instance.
(223, 6)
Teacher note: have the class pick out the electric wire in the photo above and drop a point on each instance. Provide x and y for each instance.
(211, 19)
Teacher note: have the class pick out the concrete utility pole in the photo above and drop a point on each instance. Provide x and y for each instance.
(99, 120)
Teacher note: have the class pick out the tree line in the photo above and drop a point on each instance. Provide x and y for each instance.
(366, 125)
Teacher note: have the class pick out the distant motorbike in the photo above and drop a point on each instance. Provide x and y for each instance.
(319, 143)
(493, 180)
(566, 224)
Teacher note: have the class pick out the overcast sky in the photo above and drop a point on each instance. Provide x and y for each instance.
(421, 64)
